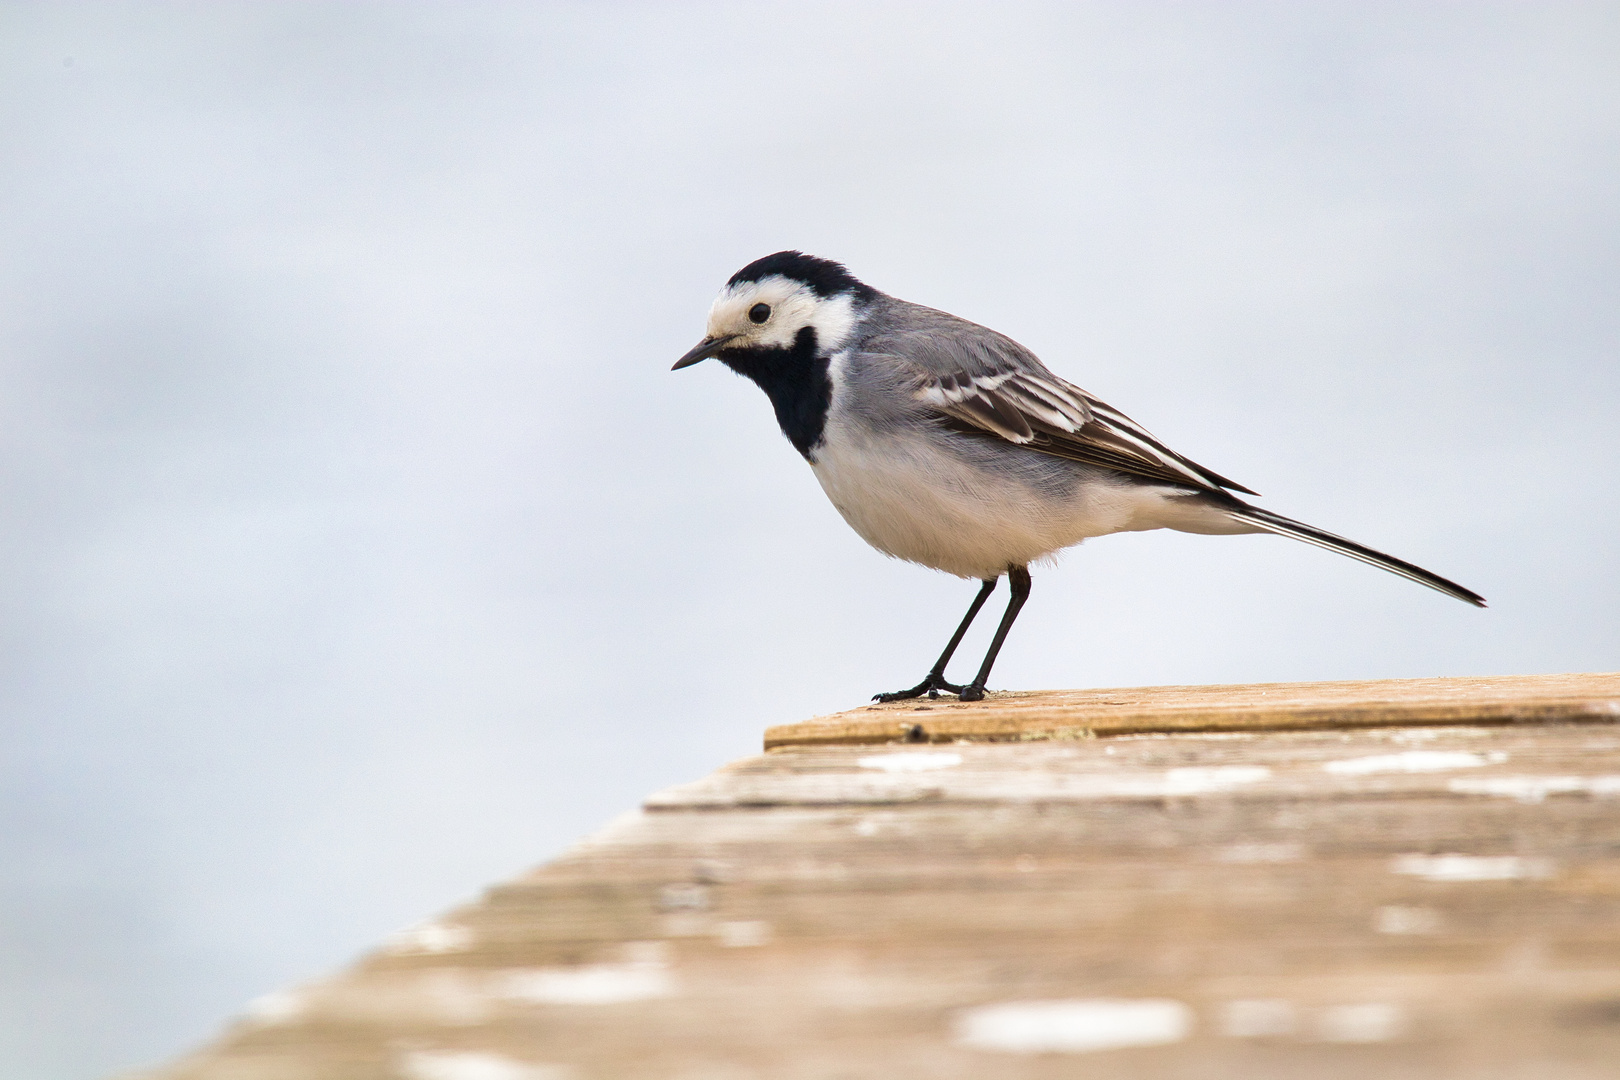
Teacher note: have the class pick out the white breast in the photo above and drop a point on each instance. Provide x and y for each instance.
(971, 508)
(909, 500)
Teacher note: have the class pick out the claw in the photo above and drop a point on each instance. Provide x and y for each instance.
(931, 686)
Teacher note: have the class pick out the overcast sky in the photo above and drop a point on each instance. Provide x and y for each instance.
(360, 548)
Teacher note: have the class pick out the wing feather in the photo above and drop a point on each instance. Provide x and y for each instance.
(1048, 414)
(986, 384)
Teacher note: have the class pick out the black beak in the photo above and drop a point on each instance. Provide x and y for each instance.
(705, 349)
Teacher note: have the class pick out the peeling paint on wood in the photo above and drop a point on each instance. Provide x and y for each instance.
(1402, 902)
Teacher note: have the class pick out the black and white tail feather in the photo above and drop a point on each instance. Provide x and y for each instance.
(1032, 407)
(1298, 530)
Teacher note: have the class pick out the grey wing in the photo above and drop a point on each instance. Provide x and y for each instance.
(986, 384)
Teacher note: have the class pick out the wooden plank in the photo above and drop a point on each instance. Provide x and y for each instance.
(1072, 714)
(1405, 903)
(1513, 763)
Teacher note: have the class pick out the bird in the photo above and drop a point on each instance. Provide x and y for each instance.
(944, 443)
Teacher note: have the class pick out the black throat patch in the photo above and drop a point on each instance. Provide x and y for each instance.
(797, 383)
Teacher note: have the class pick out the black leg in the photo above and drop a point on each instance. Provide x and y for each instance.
(1018, 581)
(935, 682)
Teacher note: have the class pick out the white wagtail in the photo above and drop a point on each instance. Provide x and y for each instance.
(945, 443)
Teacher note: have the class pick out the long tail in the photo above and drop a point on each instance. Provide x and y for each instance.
(1276, 523)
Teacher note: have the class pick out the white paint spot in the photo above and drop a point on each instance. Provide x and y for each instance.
(1262, 853)
(1412, 761)
(1470, 867)
(744, 933)
(1197, 781)
(1394, 919)
(476, 1065)
(594, 984)
(644, 974)
(276, 1007)
(1074, 1026)
(1372, 1022)
(1422, 735)
(1258, 1018)
(430, 938)
(1534, 789)
(918, 761)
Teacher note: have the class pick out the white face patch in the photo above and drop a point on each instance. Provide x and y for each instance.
(793, 305)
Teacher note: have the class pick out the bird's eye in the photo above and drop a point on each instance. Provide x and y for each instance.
(759, 312)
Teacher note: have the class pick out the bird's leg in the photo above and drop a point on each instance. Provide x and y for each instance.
(935, 682)
(1018, 582)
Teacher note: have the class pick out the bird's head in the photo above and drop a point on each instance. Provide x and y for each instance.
(768, 304)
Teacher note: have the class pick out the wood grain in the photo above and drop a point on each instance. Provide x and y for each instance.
(1037, 714)
(1394, 902)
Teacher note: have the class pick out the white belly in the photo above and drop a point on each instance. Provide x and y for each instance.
(956, 516)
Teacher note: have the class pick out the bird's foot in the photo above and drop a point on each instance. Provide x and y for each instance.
(931, 686)
(970, 692)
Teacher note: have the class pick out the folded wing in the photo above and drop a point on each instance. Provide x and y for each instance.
(1045, 413)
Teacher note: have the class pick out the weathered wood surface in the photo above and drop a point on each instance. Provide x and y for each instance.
(1391, 902)
(1035, 714)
